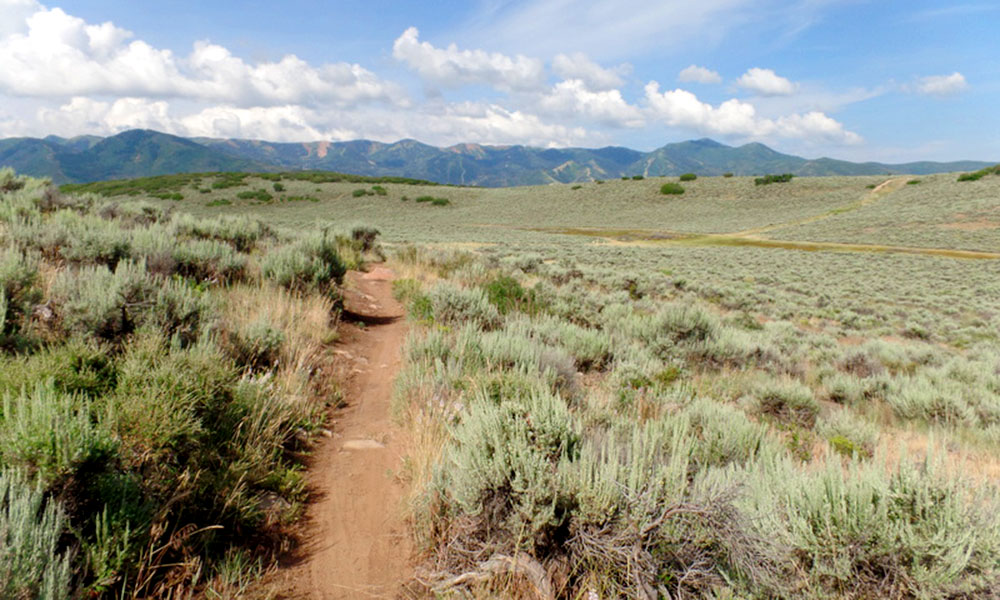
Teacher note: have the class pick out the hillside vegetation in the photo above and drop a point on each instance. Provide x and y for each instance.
(624, 412)
(159, 374)
(743, 391)
(936, 213)
(616, 433)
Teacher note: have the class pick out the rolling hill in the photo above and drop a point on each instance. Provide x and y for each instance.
(139, 153)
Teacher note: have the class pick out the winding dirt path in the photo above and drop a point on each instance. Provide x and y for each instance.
(880, 191)
(357, 544)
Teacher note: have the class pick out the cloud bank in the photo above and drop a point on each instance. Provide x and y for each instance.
(57, 55)
(451, 67)
(97, 78)
(680, 108)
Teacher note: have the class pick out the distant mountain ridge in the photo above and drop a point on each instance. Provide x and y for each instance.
(138, 153)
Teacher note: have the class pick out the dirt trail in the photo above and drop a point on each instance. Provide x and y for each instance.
(880, 191)
(761, 242)
(357, 544)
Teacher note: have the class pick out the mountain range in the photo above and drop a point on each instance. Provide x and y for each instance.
(139, 153)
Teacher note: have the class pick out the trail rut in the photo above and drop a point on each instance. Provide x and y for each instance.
(881, 190)
(357, 544)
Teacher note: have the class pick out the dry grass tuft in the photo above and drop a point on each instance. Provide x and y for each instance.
(308, 321)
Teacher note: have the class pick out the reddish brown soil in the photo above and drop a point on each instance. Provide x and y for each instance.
(357, 544)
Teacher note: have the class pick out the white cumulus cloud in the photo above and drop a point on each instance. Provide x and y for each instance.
(578, 66)
(273, 123)
(766, 82)
(942, 85)
(83, 115)
(698, 74)
(574, 99)
(813, 127)
(15, 15)
(59, 55)
(681, 108)
(218, 75)
(450, 67)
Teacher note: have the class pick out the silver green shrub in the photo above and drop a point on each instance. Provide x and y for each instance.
(31, 563)
(914, 534)
(314, 262)
(208, 260)
(454, 305)
(242, 233)
(788, 401)
(50, 433)
(848, 434)
(505, 460)
(18, 294)
(96, 301)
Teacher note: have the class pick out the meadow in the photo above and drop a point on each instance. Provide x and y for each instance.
(743, 391)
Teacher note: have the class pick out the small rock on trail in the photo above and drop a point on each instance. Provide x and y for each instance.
(362, 445)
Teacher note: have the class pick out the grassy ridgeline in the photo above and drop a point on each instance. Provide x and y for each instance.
(588, 438)
(155, 377)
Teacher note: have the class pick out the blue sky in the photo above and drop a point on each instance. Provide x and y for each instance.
(861, 80)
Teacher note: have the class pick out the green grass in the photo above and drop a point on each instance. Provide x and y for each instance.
(173, 183)
(977, 175)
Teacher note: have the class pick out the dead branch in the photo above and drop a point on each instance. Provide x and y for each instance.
(519, 565)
